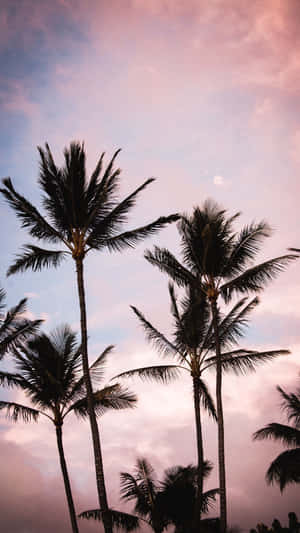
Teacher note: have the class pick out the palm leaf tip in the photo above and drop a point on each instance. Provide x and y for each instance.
(296, 250)
(35, 258)
(15, 412)
(160, 373)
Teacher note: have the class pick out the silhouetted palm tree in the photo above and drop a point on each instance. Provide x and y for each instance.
(83, 215)
(218, 262)
(160, 503)
(48, 371)
(192, 345)
(286, 467)
(179, 496)
(14, 327)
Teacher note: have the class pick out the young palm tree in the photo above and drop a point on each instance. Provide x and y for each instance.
(179, 496)
(48, 371)
(219, 262)
(192, 345)
(82, 215)
(286, 467)
(160, 503)
(13, 326)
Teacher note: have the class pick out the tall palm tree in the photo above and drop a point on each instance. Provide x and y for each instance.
(82, 215)
(219, 262)
(48, 371)
(160, 503)
(14, 327)
(286, 467)
(192, 346)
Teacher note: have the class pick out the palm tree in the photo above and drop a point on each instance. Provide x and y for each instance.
(219, 262)
(179, 496)
(286, 467)
(192, 345)
(48, 371)
(160, 503)
(14, 327)
(82, 215)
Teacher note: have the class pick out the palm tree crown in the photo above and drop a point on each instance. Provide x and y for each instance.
(216, 259)
(82, 214)
(49, 372)
(286, 467)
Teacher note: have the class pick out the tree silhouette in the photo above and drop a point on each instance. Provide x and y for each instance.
(179, 496)
(219, 262)
(160, 503)
(48, 371)
(82, 215)
(192, 346)
(286, 467)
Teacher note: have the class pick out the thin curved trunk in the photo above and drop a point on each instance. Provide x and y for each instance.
(89, 391)
(65, 474)
(198, 503)
(221, 442)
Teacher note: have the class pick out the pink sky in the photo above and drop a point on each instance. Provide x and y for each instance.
(202, 95)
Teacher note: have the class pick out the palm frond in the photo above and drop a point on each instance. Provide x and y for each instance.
(133, 489)
(246, 247)
(181, 333)
(297, 250)
(129, 487)
(15, 328)
(279, 432)
(242, 361)
(100, 194)
(291, 404)
(233, 325)
(161, 373)
(161, 343)
(96, 374)
(111, 397)
(254, 279)
(9, 380)
(206, 399)
(131, 238)
(109, 225)
(208, 500)
(120, 520)
(167, 263)
(285, 468)
(92, 186)
(16, 411)
(23, 330)
(35, 258)
(38, 227)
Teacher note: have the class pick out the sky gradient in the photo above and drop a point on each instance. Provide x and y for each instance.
(204, 96)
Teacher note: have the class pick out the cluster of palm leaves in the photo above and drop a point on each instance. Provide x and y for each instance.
(84, 215)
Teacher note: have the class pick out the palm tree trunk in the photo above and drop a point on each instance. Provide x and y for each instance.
(65, 474)
(198, 503)
(221, 442)
(89, 391)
